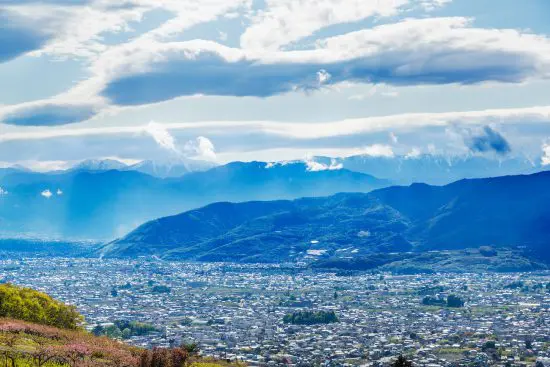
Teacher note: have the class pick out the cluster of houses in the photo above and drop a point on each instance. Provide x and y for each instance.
(236, 312)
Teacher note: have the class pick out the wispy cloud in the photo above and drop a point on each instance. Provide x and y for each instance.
(200, 148)
(162, 137)
(314, 166)
(307, 130)
(284, 22)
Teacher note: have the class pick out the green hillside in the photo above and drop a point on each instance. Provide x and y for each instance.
(38, 331)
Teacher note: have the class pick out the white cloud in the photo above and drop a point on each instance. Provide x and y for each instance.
(200, 148)
(286, 21)
(376, 150)
(323, 76)
(414, 153)
(314, 166)
(307, 130)
(80, 30)
(393, 138)
(76, 31)
(410, 52)
(3, 192)
(413, 51)
(59, 192)
(192, 12)
(545, 160)
(162, 137)
(430, 5)
(46, 193)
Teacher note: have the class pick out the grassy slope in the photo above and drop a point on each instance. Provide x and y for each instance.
(25, 344)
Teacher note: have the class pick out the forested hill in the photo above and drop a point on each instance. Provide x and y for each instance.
(511, 211)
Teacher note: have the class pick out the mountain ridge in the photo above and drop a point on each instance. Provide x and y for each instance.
(105, 204)
(504, 212)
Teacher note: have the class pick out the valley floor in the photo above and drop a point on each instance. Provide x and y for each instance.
(236, 311)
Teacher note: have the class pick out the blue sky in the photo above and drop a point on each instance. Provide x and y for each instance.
(227, 80)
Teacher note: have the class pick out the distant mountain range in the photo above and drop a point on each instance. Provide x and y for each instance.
(168, 169)
(433, 169)
(404, 170)
(102, 200)
(503, 212)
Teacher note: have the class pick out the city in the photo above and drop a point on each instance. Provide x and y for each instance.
(236, 312)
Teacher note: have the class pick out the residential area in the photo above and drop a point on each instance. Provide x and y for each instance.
(237, 312)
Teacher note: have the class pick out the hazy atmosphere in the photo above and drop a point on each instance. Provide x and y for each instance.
(265, 183)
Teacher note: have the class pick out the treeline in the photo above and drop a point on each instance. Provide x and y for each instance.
(519, 284)
(29, 305)
(125, 329)
(451, 301)
(310, 317)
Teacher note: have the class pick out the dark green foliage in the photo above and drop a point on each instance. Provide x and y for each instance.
(191, 348)
(402, 362)
(488, 345)
(432, 301)
(161, 289)
(29, 305)
(310, 317)
(454, 301)
(125, 329)
(515, 285)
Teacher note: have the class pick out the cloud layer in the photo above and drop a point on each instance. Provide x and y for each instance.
(17, 37)
(411, 52)
(138, 53)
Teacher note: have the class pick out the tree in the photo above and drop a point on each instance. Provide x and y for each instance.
(454, 301)
(98, 330)
(29, 305)
(433, 301)
(191, 348)
(488, 345)
(402, 362)
(310, 317)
